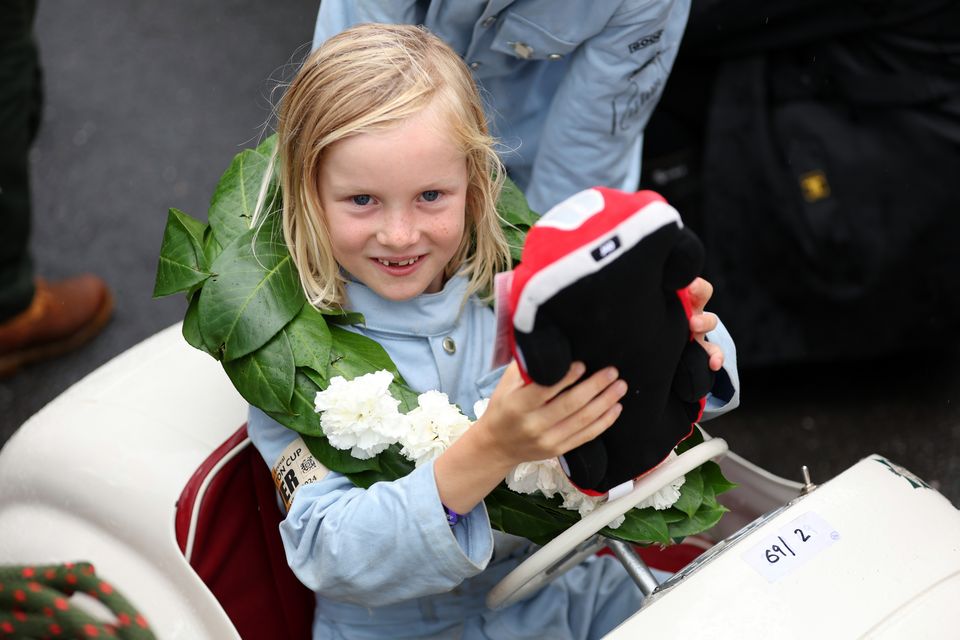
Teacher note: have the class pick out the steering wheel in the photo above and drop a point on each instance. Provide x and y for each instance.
(579, 542)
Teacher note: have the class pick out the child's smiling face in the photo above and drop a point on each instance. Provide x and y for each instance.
(394, 202)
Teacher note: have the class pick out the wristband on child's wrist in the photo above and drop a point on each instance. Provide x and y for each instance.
(452, 516)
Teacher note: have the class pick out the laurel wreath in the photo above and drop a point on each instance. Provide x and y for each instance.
(246, 309)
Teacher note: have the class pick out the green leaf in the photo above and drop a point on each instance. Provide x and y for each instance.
(393, 462)
(672, 515)
(519, 515)
(211, 248)
(516, 217)
(392, 466)
(336, 459)
(265, 377)
(515, 241)
(513, 208)
(692, 440)
(352, 355)
(191, 327)
(254, 293)
(691, 493)
(301, 417)
(235, 199)
(551, 505)
(316, 377)
(494, 512)
(182, 262)
(310, 340)
(268, 148)
(705, 517)
(713, 478)
(344, 317)
(641, 525)
(407, 397)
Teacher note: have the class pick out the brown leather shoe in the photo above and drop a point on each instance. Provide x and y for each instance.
(62, 316)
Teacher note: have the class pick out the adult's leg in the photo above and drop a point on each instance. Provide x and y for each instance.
(38, 320)
(19, 116)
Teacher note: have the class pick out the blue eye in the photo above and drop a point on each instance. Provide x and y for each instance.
(361, 200)
(430, 196)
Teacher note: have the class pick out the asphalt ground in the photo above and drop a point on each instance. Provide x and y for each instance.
(146, 103)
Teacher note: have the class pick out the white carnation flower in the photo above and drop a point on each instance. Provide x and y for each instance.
(446, 419)
(419, 442)
(667, 496)
(544, 476)
(360, 414)
(432, 427)
(576, 500)
(547, 477)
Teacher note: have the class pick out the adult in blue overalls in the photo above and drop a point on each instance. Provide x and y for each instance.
(569, 85)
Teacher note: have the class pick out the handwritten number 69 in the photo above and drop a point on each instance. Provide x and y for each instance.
(775, 552)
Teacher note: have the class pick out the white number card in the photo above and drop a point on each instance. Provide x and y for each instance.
(791, 547)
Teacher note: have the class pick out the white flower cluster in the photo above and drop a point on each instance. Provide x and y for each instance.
(362, 416)
(432, 427)
(547, 477)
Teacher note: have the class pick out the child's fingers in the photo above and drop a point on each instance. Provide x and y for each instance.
(583, 402)
(590, 413)
(574, 373)
(534, 395)
(715, 354)
(700, 292)
(701, 323)
(592, 430)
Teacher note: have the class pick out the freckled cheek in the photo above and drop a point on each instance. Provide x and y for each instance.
(349, 237)
(446, 229)
(449, 228)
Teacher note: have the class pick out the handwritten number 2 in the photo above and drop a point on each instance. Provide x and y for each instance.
(803, 537)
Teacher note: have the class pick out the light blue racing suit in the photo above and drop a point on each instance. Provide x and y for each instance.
(383, 561)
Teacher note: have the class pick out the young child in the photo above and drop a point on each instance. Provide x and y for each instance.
(389, 181)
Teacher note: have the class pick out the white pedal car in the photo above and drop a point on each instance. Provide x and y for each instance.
(143, 468)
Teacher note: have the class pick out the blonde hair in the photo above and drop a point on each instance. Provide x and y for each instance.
(371, 77)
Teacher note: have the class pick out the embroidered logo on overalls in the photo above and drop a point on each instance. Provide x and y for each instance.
(645, 42)
(295, 467)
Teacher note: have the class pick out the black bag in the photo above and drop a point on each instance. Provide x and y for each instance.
(824, 181)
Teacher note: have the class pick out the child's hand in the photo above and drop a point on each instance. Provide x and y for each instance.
(526, 422)
(701, 322)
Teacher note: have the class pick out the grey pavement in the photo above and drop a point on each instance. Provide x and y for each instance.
(146, 103)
